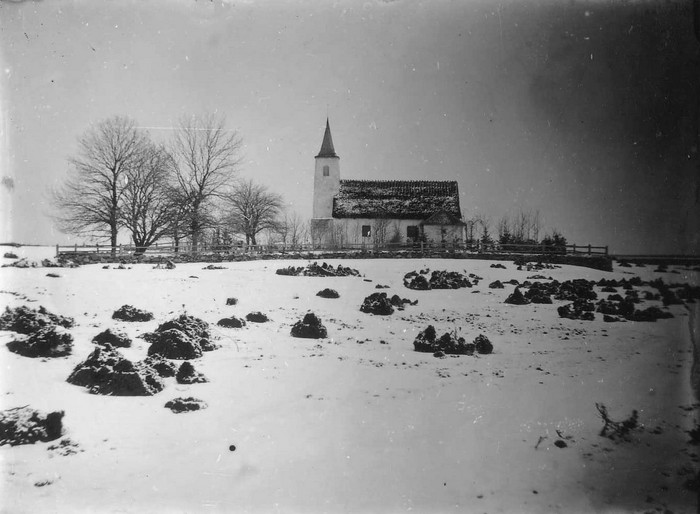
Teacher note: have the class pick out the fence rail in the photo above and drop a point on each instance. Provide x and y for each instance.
(165, 249)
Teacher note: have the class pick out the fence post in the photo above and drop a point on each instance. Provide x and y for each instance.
(574, 250)
(75, 249)
(97, 248)
(589, 248)
(57, 252)
(606, 249)
(120, 250)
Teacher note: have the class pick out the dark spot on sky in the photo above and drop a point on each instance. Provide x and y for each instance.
(8, 183)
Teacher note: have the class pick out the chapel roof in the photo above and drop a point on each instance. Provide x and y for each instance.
(398, 199)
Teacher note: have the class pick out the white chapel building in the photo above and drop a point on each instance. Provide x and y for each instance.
(380, 211)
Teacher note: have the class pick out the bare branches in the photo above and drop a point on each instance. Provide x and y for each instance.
(293, 229)
(148, 209)
(90, 200)
(205, 160)
(252, 209)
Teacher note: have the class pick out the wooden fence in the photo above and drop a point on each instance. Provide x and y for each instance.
(165, 249)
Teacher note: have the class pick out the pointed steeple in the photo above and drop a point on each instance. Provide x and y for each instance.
(327, 149)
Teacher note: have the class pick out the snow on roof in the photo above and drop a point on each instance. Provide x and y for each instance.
(401, 199)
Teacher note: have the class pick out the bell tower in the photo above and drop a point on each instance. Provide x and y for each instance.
(326, 177)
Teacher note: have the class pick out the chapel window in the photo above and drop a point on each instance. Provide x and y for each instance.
(326, 171)
(366, 231)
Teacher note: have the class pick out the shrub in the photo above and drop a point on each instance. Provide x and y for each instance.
(130, 313)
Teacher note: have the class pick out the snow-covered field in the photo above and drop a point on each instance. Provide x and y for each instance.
(359, 421)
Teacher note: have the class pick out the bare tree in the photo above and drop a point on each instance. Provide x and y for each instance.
(471, 226)
(252, 209)
(505, 236)
(292, 229)
(179, 216)
(484, 224)
(338, 235)
(536, 225)
(148, 209)
(90, 201)
(205, 159)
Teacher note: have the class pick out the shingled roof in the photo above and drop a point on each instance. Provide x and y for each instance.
(399, 199)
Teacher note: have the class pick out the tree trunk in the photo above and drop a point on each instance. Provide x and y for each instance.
(113, 238)
(195, 226)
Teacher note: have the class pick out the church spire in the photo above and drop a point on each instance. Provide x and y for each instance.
(327, 149)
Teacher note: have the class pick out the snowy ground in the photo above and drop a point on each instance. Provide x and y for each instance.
(357, 422)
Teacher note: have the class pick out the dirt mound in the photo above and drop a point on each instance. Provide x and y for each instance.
(195, 331)
(24, 425)
(178, 405)
(108, 372)
(541, 298)
(400, 303)
(516, 298)
(310, 327)
(160, 365)
(650, 314)
(438, 280)
(427, 341)
(232, 322)
(621, 307)
(316, 270)
(48, 263)
(578, 288)
(496, 284)
(130, 313)
(521, 262)
(167, 264)
(25, 320)
(377, 303)
(214, 267)
(414, 281)
(328, 293)
(188, 375)
(257, 317)
(195, 328)
(45, 342)
(539, 292)
(648, 295)
(10, 255)
(231, 301)
(483, 345)
(497, 266)
(112, 337)
(22, 263)
(173, 344)
(580, 309)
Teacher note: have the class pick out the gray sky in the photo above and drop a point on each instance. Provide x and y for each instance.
(585, 111)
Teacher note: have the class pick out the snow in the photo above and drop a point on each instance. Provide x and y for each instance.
(348, 423)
